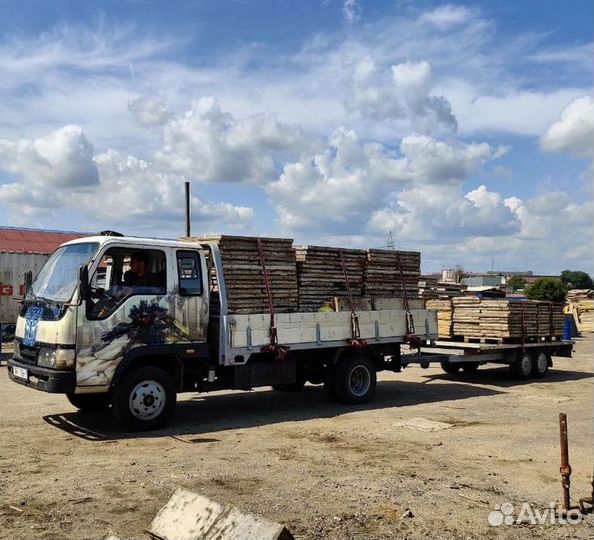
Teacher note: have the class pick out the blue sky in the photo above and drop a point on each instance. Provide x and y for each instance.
(464, 128)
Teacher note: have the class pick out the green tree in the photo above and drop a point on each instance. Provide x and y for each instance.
(459, 273)
(576, 279)
(549, 289)
(516, 282)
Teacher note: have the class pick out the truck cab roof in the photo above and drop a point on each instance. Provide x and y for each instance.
(135, 240)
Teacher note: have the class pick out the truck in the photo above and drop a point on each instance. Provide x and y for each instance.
(87, 331)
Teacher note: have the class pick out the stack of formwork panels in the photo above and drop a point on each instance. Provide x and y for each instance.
(391, 273)
(581, 305)
(244, 275)
(320, 275)
(444, 310)
(504, 319)
(447, 289)
(428, 287)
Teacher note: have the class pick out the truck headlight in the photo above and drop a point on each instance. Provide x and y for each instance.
(56, 358)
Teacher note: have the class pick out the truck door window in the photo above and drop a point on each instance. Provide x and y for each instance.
(189, 273)
(124, 272)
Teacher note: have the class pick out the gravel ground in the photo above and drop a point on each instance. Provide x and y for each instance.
(324, 470)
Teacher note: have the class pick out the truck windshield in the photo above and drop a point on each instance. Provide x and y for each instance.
(58, 278)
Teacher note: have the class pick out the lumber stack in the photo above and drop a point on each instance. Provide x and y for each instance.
(444, 310)
(392, 273)
(428, 287)
(447, 289)
(581, 305)
(320, 275)
(499, 318)
(244, 276)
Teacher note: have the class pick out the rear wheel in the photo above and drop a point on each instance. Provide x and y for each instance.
(540, 365)
(89, 402)
(144, 399)
(522, 367)
(355, 380)
(450, 368)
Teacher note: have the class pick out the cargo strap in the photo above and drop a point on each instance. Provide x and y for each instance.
(524, 327)
(410, 321)
(356, 340)
(279, 351)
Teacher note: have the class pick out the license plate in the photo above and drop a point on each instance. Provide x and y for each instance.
(20, 373)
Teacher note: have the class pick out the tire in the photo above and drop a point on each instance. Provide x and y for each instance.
(522, 367)
(89, 402)
(540, 365)
(470, 367)
(450, 368)
(144, 399)
(296, 386)
(355, 380)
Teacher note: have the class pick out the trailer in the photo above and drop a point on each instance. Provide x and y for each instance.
(525, 359)
(128, 323)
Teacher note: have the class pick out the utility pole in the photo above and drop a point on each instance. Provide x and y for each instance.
(187, 186)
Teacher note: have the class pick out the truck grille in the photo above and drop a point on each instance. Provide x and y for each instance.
(29, 354)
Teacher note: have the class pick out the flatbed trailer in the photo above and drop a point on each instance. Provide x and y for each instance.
(526, 360)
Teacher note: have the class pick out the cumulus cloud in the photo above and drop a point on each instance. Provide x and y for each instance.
(210, 145)
(150, 111)
(58, 171)
(403, 94)
(63, 158)
(351, 178)
(573, 133)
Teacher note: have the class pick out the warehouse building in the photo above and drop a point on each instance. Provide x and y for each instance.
(21, 251)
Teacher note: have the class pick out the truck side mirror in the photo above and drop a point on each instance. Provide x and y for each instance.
(27, 282)
(85, 292)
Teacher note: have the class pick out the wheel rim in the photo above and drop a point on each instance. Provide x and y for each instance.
(147, 400)
(542, 362)
(359, 381)
(526, 364)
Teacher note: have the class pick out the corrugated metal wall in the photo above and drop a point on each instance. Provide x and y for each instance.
(12, 271)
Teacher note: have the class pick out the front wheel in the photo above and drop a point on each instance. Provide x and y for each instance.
(450, 368)
(144, 399)
(89, 402)
(355, 380)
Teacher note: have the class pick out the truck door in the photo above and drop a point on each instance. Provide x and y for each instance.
(132, 305)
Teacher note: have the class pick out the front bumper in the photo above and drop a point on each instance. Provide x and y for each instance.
(45, 379)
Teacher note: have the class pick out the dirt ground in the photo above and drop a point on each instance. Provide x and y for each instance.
(325, 470)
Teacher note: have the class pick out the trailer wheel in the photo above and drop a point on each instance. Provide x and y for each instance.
(470, 367)
(355, 380)
(144, 399)
(450, 368)
(540, 366)
(522, 368)
(89, 402)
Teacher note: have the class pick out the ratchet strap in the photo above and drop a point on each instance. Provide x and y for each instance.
(356, 340)
(279, 351)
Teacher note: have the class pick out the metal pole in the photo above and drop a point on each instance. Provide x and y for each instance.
(565, 468)
(187, 186)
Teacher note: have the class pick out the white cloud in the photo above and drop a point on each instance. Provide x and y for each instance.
(574, 132)
(351, 10)
(58, 171)
(405, 95)
(63, 158)
(150, 111)
(349, 180)
(210, 145)
(447, 16)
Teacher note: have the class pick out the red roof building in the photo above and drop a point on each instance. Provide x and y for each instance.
(16, 240)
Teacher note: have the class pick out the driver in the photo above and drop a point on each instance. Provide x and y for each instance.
(138, 275)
